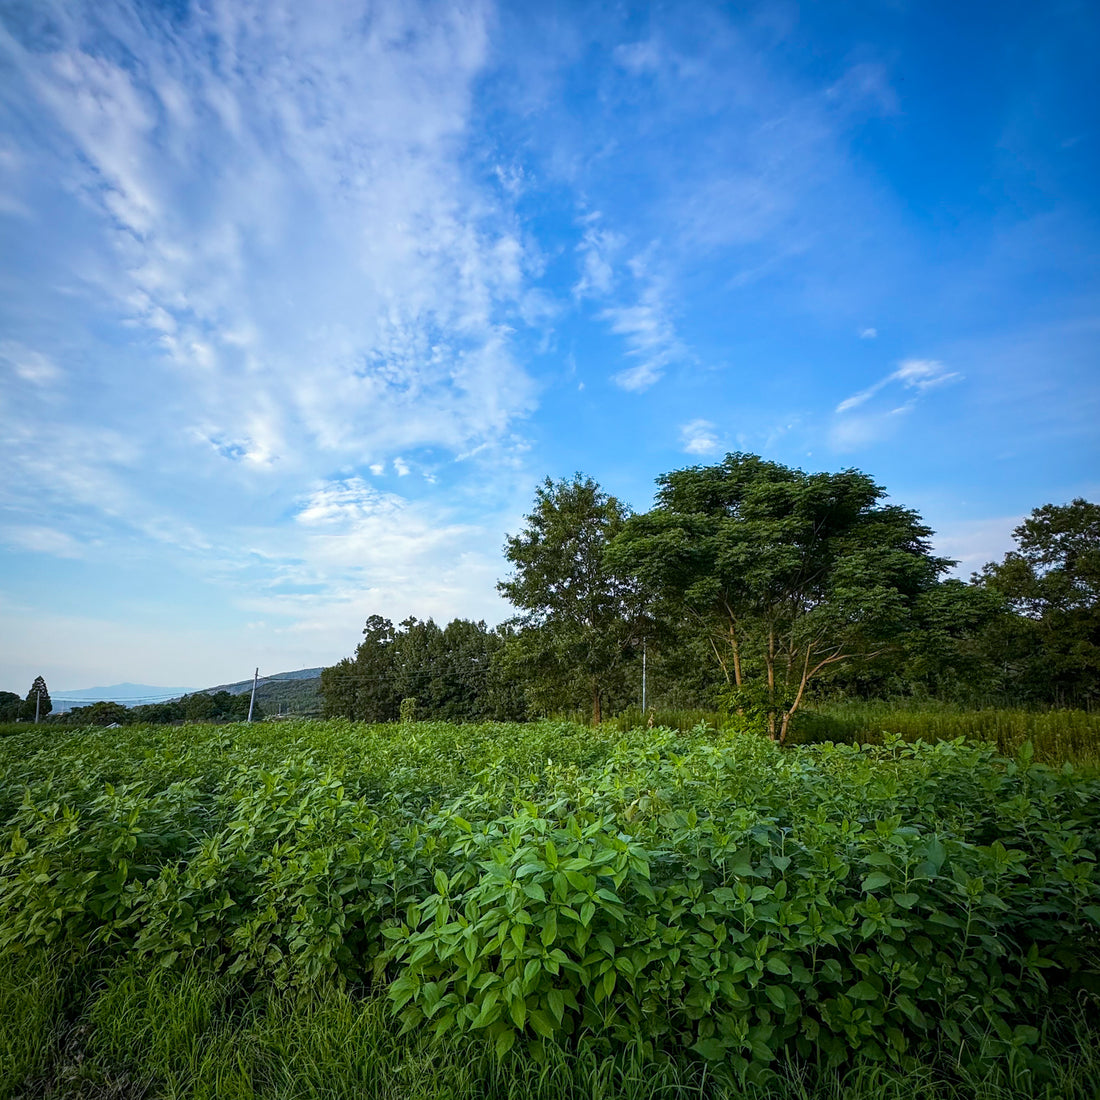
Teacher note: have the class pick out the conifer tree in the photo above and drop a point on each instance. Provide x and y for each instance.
(37, 704)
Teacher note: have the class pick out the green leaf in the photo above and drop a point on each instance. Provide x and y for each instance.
(542, 1024)
(712, 1049)
(549, 928)
(876, 880)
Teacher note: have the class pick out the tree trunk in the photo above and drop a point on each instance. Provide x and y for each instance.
(597, 717)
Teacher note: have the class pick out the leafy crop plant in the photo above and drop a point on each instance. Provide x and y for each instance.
(547, 888)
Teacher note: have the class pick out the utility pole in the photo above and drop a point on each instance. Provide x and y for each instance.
(252, 701)
(37, 700)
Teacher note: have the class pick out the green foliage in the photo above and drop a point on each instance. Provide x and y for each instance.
(580, 620)
(787, 574)
(102, 713)
(191, 1033)
(1050, 642)
(31, 996)
(553, 887)
(11, 706)
(453, 673)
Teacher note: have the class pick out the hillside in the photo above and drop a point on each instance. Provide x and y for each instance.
(297, 692)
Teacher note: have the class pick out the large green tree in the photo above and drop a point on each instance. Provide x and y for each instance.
(1050, 644)
(580, 619)
(363, 687)
(787, 574)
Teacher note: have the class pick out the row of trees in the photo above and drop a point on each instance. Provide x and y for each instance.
(420, 669)
(752, 586)
(201, 706)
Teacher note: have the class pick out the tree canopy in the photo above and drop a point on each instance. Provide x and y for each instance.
(787, 573)
(755, 586)
(1050, 638)
(580, 619)
(452, 673)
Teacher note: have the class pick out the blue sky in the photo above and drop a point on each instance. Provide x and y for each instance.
(299, 302)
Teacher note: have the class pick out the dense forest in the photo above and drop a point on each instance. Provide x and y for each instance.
(753, 588)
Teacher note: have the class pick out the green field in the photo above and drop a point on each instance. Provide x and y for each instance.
(310, 909)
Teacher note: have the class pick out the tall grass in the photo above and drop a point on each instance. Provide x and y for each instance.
(31, 999)
(1057, 735)
(193, 1035)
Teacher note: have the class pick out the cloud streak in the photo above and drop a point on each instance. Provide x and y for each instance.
(920, 375)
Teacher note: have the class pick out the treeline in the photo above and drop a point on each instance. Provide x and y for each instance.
(201, 706)
(424, 671)
(750, 587)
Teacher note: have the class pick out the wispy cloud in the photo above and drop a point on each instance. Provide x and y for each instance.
(650, 336)
(860, 422)
(598, 250)
(28, 364)
(920, 375)
(44, 540)
(285, 216)
(972, 543)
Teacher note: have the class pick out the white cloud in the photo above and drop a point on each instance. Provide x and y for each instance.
(914, 374)
(28, 364)
(698, 437)
(650, 336)
(973, 542)
(924, 374)
(357, 550)
(349, 501)
(44, 540)
(849, 433)
(598, 249)
(638, 57)
(868, 333)
(284, 212)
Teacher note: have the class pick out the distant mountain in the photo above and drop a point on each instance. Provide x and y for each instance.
(128, 694)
